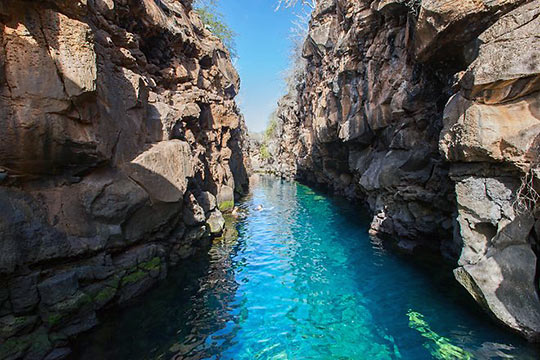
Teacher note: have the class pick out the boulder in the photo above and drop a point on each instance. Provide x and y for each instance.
(23, 293)
(58, 287)
(215, 222)
(505, 285)
(163, 170)
(193, 212)
(207, 200)
(225, 198)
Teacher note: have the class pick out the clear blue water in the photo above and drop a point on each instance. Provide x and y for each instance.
(302, 280)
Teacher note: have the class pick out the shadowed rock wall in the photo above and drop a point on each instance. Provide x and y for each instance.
(121, 143)
(429, 112)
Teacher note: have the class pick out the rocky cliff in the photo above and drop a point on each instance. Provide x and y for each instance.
(429, 111)
(121, 145)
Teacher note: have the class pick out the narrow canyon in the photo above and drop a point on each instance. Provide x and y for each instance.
(123, 149)
(429, 113)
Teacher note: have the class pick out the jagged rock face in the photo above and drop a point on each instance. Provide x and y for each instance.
(120, 130)
(431, 115)
(367, 118)
(492, 135)
(275, 152)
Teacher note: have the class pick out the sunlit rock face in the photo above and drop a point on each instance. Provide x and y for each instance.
(492, 135)
(429, 112)
(118, 118)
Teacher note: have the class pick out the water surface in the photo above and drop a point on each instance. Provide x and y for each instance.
(301, 279)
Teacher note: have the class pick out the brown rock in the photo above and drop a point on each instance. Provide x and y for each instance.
(163, 170)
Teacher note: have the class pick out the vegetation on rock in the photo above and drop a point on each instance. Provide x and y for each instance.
(214, 21)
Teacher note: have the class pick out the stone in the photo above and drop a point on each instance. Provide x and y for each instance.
(58, 287)
(163, 170)
(135, 284)
(73, 54)
(440, 21)
(479, 132)
(215, 222)
(11, 325)
(505, 284)
(23, 293)
(148, 220)
(225, 198)
(58, 354)
(497, 75)
(195, 234)
(207, 200)
(132, 258)
(80, 324)
(113, 201)
(67, 312)
(193, 212)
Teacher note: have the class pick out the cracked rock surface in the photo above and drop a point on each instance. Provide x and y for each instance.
(431, 116)
(120, 138)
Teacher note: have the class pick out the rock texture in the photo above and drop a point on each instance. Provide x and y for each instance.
(119, 134)
(429, 111)
(271, 151)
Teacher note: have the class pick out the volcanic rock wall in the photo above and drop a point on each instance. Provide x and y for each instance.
(121, 143)
(430, 112)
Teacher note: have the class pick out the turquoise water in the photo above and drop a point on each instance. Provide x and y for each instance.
(302, 280)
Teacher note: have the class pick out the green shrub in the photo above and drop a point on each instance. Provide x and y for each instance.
(213, 19)
(270, 131)
(265, 154)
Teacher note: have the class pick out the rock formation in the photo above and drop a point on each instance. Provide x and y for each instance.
(430, 112)
(121, 145)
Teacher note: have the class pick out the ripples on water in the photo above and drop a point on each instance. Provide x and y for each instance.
(301, 280)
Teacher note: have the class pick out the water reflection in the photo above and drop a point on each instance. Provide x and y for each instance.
(300, 279)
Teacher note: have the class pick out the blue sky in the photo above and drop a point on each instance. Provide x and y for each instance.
(263, 46)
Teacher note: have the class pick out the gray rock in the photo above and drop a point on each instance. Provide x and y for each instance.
(225, 198)
(58, 354)
(505, 285)
(80, 323)
(148, 220)
(163, 170)
(11, 325)
(207, 200)
(58, 288)
(135, 284)
(113, 201)
(194, 234)
(215, 222)
(133, 257)
(193, 212)
(23, 293)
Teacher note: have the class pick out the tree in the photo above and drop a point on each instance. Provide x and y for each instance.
(214, 21)
(291, 3)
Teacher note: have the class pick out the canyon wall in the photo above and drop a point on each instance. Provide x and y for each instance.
(121, 145)
(430, 113)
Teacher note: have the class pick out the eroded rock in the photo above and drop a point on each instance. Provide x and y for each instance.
(112, 112)
(367, 118)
